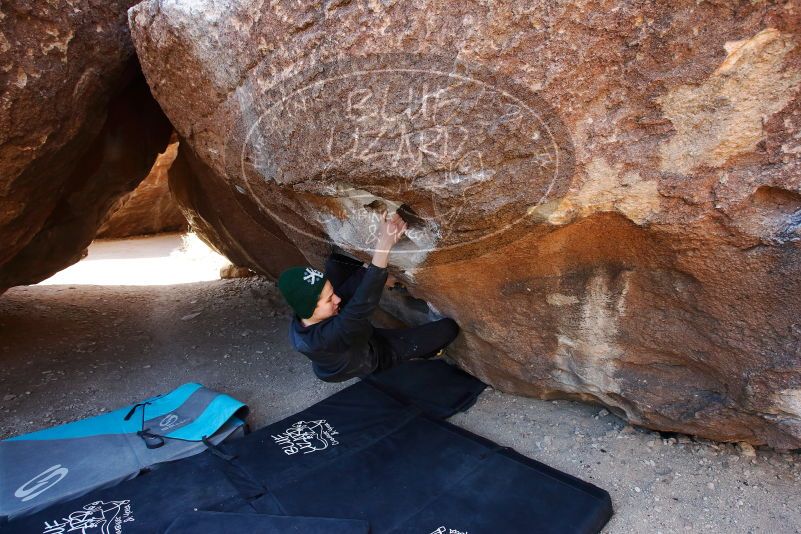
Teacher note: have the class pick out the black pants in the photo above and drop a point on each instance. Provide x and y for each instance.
(400, 344)
(391, 345)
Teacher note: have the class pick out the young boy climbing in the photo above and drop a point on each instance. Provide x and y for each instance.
(331, 322)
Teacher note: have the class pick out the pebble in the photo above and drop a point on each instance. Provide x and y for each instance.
(746, 449)
(603, 413)
(9, 397)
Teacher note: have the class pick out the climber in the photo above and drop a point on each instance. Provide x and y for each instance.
(331, 322)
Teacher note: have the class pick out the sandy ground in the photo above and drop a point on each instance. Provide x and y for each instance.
(164, 259)
(68, 351)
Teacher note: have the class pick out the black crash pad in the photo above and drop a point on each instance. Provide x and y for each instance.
(437, 388)
(146, 504)
(226, 523)
(362, 454)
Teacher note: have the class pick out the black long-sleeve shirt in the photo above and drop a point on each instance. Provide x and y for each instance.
(339, 347)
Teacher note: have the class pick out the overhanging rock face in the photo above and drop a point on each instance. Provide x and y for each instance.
(78, 129)
(607, 199)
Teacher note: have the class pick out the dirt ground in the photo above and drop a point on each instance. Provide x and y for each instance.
(68, 351)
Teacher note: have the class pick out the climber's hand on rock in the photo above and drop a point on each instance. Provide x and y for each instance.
(390, 230)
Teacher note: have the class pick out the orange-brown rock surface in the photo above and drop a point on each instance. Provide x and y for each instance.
(148, 209)
(217, 214)
(78, 129)
(605, 195)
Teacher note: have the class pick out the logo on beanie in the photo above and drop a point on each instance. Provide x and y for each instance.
(311, 275)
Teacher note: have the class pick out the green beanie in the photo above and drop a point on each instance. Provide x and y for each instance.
(301, 287)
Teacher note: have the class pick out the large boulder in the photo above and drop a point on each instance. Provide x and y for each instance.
(606, 197)
(216, 214)
(78, 129)
(148, 209)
